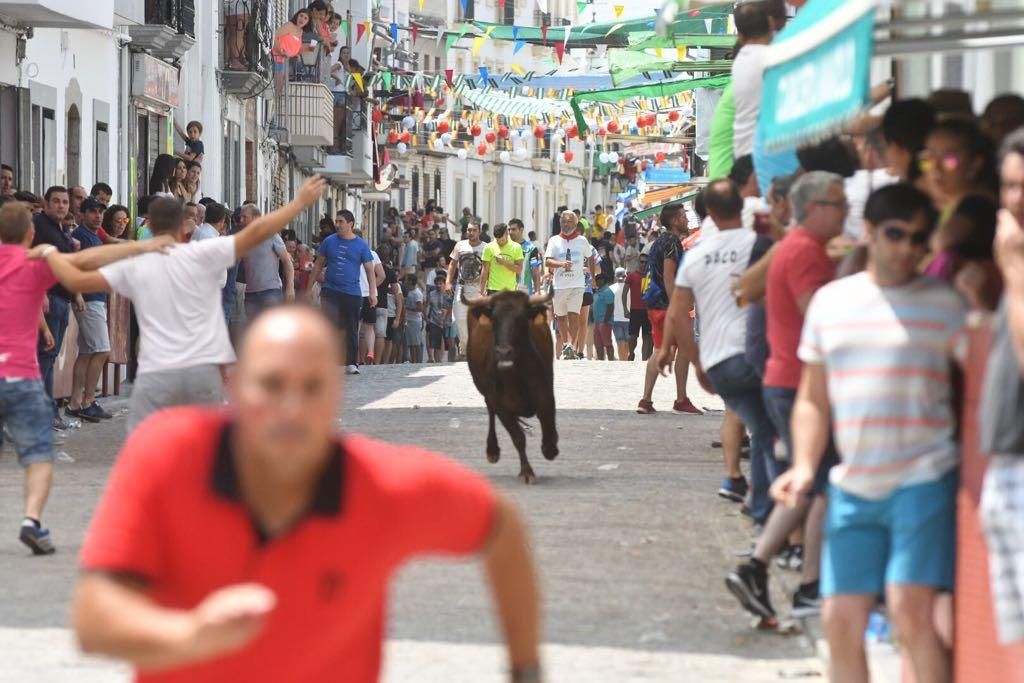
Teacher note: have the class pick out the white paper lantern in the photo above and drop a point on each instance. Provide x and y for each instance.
(402, 148)
(603, 157)
(513, 134)
(446, 138)
(560, 133)
(561, 157)
(462, 154)
(613, 157)
(521, 154)
(505, 157)
(438, 144)
(408, 123)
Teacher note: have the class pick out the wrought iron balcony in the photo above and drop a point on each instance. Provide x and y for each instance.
(304, 106)
(169, 31)
(246, 40)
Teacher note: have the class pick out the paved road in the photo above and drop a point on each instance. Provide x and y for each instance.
(632, 542)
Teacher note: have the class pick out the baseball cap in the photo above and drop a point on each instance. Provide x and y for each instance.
(92, 203)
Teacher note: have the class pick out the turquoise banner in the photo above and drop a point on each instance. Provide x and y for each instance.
(818, 72)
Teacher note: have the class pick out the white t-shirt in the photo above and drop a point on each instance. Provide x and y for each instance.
(364, 284)
(178, 303)
(470, 262)
(747, 79)
(621, 315)
(858, 188)
(204, 231)
(710, 269)
(751, 206)
(579, 249)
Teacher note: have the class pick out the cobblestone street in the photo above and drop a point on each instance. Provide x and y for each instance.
(631, 540)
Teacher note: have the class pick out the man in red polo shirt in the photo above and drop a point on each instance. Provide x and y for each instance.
(258, 545)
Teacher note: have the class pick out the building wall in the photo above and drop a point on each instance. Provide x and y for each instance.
(70, 70)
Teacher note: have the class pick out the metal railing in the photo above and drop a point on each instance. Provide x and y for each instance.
(178, 14)
(246, 37)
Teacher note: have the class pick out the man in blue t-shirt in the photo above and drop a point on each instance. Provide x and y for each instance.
(341, 297)
(93, 334)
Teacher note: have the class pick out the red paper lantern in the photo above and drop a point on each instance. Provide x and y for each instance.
(443, 127)
(491, 137)
(378, 116)
(572, 131)
(673, 116)
(405, 137)
(613, 126)
(538, 131)
(481, 149)
(439, 102)
(568, 157)
(392, 138)
(660, 157)
(475, 130)
(503, 132)
(601, 132)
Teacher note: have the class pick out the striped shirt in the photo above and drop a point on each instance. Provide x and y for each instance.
(888, 353)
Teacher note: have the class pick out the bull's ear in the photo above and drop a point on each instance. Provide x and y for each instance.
(478, 312)
(539, 310)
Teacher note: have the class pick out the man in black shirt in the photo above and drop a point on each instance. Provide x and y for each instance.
(49, 227)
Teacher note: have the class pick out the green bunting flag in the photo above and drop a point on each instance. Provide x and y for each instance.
(581, 5)
(386, 76)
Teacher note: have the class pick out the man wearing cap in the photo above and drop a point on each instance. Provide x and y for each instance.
(93, 333)
(302, 530)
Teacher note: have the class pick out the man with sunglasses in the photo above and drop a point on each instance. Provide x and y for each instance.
(878, 351)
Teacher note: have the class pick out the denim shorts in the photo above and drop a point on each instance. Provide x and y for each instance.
(621, 331)
(908, 537)
(26, 411)
(779, 402)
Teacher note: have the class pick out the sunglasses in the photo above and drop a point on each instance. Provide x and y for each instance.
(120, 220)
(948, 162)
(894, 233)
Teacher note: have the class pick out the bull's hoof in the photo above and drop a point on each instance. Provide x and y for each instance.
(494, 457)
(528, 477)
(550, 451)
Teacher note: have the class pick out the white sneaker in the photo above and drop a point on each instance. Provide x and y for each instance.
(351, 370)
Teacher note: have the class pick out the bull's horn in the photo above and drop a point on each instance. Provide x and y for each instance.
(543, 298)
(479, 301)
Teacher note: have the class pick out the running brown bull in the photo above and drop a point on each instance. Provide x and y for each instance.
(510, 356)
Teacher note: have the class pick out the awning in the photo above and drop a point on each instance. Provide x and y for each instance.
(653, 91)
(626, 65)
(817, 74)
(650, 211)
(667, 193)
(501, 103)
(614, 34)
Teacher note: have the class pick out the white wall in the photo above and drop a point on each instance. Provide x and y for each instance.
(54, 59)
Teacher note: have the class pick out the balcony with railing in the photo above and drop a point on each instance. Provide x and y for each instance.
(246, 40)
(304, 114)
(170, 28)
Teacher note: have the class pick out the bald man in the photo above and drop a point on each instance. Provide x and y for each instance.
(568, 257)
(258, 544)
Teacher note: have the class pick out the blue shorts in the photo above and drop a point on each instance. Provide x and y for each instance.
(908, 537)
(621, 331)
(26, 411)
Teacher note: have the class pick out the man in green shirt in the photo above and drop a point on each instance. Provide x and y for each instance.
(530, 278)
(502, 262)
(720, 141)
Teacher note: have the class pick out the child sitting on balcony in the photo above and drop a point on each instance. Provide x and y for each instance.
(192, 134)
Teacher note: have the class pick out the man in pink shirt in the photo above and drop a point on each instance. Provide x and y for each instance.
(26, 410)
(799, 267)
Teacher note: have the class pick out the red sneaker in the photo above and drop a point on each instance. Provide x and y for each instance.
(686, 407)
(646, 407)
